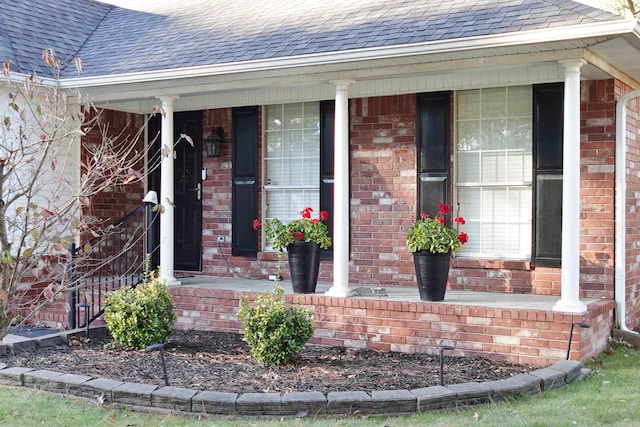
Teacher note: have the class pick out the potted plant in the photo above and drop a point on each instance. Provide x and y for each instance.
(302, 238)
(432, 241)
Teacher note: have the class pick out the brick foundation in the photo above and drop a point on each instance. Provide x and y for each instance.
(533, 337)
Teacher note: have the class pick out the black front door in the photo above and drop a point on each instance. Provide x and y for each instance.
(188, 192)
(187, 188)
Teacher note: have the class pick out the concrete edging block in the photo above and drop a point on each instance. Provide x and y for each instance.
(551, 378)
(258, 404)
(40, 379)
(570, 368)
(472, 393)
(70, 383)
(13, 376)
(312, 402)
(434, 397)
(214, 402)
(350, 402)
(177, 398)
(393, 401)
(526, 383)
(133, 394)
(99, 388)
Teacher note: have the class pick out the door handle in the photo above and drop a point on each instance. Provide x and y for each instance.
(198, 191)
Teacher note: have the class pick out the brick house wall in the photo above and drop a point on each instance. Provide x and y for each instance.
(113, 203)
(383, 201)
(632, 231)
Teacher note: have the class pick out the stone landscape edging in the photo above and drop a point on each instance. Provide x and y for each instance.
(185, 401)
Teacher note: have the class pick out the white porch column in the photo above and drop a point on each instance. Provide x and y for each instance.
(166, 192)
(340, 286)
(570, 277)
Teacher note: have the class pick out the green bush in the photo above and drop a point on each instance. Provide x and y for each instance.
(274, 331)
(140, 316)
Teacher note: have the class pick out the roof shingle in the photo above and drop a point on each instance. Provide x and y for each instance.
(165, 34)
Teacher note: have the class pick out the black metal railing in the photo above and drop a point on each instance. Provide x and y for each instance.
(108, 262)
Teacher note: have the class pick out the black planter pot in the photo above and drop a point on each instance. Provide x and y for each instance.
(432, 272)
(304, 263)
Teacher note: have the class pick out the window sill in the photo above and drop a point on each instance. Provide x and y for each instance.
(491, 264)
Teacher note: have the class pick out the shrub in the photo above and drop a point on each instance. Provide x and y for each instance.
(274, 331)
(140, 316)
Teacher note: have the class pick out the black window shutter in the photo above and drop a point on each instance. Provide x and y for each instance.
(548, 125)
(327, 135)
(434, 139)
(244, 191)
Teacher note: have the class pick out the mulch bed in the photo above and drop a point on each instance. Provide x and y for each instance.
(220, 361)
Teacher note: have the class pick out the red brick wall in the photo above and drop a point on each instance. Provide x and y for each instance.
(383, 183)
(114, 203)
(597, 188)
(383, 200)
(532, 337)
(216, 198)
(632, 261)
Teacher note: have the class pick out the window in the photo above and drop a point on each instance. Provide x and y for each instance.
(291, 160)
(494, 170)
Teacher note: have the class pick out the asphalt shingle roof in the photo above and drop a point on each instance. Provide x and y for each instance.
(169, 34)
(27, 27)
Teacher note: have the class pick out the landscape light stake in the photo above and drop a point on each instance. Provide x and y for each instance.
(442, 348)
(581, 325)
(86, 318)
(159, 347)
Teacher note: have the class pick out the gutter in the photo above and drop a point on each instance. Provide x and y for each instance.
(621, 27)
(620, 212)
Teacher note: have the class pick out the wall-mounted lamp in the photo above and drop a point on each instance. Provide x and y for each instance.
(213, 142)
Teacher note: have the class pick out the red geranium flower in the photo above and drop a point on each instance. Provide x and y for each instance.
(463, 237)
(434, 235)
(305, 229)
(443, 208)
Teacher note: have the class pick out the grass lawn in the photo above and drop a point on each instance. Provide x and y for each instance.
(611, 396)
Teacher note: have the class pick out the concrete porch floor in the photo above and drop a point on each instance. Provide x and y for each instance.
(394, 293)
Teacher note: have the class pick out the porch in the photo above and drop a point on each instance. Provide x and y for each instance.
(519, 328)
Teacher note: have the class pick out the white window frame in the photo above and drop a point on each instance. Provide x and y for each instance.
(309, 193)
(480, 222)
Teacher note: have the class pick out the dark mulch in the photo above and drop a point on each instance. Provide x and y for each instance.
(221, 361)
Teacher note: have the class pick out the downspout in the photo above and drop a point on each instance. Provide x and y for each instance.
(621, 208)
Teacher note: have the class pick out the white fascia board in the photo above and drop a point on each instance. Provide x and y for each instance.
(582, 31)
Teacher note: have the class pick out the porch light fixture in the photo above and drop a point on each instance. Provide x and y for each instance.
(442, 348)
(580, 325)
(213, 142)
